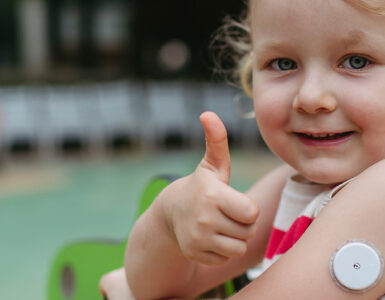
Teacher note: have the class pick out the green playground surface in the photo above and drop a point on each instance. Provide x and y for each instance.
(46, 205)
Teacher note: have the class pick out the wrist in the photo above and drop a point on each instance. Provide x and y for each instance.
(162, 209)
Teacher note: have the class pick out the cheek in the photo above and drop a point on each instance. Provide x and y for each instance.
(272, 107)
(366, 111)
(364, 101)
(372, 125)
(272, 117)
(269, 118)
(365, 108)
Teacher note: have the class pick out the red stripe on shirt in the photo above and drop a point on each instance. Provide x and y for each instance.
(281, 241)
(274, 242)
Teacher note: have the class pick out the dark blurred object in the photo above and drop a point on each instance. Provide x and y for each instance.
(8, 33)
(188, 25)
(71, 40)
(90, 34)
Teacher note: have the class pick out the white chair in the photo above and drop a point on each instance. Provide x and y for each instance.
(167, 113)
(66, 119)
(18, 126)
(119, 112)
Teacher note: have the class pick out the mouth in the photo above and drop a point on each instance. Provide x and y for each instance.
(324, 136)
(324, 140)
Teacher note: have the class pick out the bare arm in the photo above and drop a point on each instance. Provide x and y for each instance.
(199, 231)
(152, 250)
(356, 212)
(266, 192)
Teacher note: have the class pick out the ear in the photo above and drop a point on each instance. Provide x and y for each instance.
(246, 75)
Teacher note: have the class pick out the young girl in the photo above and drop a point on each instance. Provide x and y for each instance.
(318, 86)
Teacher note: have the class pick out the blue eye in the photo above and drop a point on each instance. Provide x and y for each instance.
(355, 62)
(283, 64)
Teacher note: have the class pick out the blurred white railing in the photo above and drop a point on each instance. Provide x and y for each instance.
(103, 115)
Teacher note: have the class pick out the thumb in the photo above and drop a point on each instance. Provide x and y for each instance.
(217, 154)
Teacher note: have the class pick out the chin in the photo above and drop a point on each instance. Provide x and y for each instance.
(327, 176)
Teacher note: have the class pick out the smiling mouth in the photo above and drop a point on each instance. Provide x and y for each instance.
(324, 136)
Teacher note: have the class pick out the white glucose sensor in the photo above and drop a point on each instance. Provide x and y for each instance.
(356, 266)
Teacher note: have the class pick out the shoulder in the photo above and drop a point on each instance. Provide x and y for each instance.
(357, 212)
(373, 175)
(369, 184)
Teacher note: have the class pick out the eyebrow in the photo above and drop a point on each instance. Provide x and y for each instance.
(354, 38)
(272, 46)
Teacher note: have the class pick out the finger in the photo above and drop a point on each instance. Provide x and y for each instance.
(237, 230)
(210, 258)
(217, 154)
(238, 206)
(227, 247)
(113, 286)
(102, 285)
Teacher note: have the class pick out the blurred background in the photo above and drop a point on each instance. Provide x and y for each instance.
(96, 97)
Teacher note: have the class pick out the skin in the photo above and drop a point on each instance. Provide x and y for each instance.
(113, 286)
(209, 231)
(323, 94)
(200, 232)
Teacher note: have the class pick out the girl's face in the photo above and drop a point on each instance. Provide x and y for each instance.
(319, 85)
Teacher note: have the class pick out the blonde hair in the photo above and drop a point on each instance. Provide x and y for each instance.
(232, 48)
(376, 7)
(233, 44)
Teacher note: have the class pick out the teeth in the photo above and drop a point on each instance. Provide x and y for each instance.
(325, 136)
(320, 135)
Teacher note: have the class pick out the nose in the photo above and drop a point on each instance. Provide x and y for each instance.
(313, 96)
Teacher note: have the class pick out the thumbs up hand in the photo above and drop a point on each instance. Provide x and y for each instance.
(210, 221)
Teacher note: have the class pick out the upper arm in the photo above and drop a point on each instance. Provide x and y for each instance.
(356, 212)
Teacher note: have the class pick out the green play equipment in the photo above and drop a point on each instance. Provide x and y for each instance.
(77, 269)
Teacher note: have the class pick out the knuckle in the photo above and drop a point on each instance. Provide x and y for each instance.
(251, 213)
(240, 249)
(196, 238)
(192, 240)
(203, 223)
(209, 193)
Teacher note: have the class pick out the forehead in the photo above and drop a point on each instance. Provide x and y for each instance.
(314, 20)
